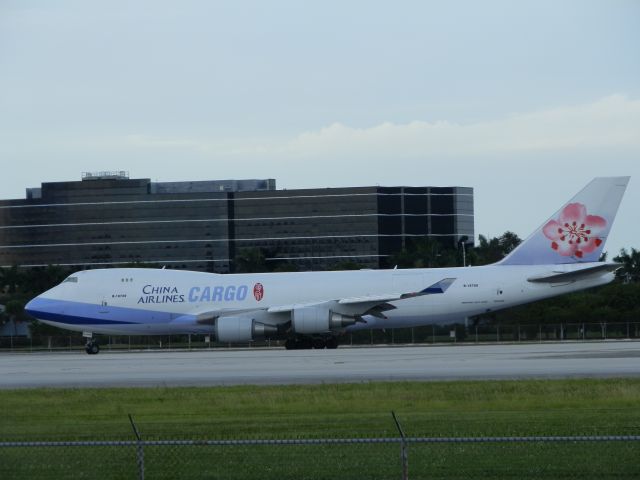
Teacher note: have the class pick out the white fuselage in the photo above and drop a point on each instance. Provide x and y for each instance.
(150, 301)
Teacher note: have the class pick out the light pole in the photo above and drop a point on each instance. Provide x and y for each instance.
(464, 255)
(462, 242)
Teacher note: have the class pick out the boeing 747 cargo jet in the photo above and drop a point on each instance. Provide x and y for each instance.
(314, 308)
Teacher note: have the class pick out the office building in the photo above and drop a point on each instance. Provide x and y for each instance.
(108, 219)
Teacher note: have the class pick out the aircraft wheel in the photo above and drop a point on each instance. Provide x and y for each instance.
(305, 344)
(319, 344)
(92, 348)
(332, 343)
(300, 344)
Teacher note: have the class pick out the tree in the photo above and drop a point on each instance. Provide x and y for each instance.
(346, 265)
(630, 270)
(508, 242)
(491, 250)
(487, 251)
(424, 253)
(251, 260)
(10, 279)
(40, 279)
(284, 266)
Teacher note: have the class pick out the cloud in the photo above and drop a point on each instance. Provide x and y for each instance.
(613, 121)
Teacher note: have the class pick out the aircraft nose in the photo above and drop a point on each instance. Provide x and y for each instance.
(31, 307)
(39, 307)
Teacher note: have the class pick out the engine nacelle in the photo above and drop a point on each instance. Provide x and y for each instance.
(242, 329)
(310, 320)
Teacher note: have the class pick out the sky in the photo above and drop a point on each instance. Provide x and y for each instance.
(524, 101)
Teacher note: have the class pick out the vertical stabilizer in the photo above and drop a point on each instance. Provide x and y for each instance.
(578, 231)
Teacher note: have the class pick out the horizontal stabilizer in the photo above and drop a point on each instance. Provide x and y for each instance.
(571, 276)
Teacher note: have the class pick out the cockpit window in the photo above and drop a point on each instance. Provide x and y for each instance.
(70, 279)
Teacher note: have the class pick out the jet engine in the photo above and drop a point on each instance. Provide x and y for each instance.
(242, 329)
(310, 320)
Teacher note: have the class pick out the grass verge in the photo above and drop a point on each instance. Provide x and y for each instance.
(485, 408)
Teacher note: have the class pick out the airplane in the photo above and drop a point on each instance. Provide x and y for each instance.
(312, 309)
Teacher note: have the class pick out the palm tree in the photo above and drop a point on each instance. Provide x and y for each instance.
(10, 279)
(630, 270)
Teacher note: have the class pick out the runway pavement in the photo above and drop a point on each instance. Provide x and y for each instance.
(262, 366)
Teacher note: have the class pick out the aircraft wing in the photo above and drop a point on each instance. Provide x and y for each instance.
(370, 301)
(360, 305)
(438, 287)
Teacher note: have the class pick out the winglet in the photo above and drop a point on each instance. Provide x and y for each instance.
(438, 287)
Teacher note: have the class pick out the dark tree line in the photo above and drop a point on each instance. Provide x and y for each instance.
(431, 253)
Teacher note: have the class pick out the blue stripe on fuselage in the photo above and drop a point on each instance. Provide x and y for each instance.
(73, 320)
(77, 313)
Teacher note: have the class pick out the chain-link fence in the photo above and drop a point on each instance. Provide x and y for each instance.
(579, 457)
(499, 457)
(432, 334)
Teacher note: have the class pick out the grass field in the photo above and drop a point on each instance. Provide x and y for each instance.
(485, 408)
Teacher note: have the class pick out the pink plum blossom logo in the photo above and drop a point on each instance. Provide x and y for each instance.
(258, 291)
(575, 233)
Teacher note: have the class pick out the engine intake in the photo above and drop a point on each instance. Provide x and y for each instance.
(310, 320)
(242, 329)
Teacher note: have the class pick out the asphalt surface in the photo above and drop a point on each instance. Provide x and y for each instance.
(271, 366)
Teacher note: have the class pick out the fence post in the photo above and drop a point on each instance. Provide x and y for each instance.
(139, 449)
(404, 451)
(540, 332)
(628, 330)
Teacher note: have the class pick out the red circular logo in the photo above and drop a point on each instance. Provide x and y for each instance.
(258, 291)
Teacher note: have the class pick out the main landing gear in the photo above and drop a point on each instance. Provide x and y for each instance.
(307, 343)
(92, 347)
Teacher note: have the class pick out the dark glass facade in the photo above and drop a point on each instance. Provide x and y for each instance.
(204, 225)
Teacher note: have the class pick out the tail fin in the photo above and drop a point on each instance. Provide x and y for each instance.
(578, 231)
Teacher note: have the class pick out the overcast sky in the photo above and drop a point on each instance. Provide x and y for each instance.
(524, 101)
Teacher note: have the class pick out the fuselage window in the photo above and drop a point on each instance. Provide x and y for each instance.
(70, 279)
